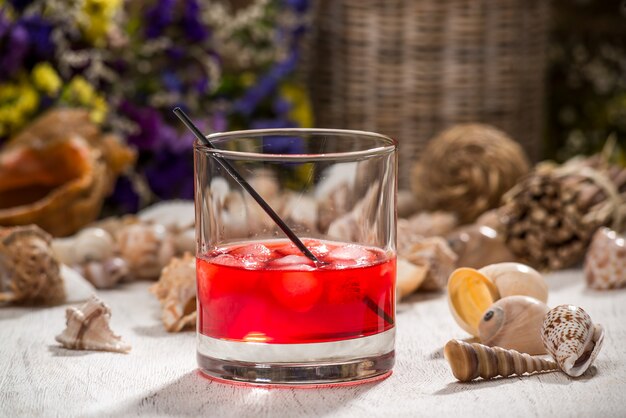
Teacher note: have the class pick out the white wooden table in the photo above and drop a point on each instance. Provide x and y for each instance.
(159, 377)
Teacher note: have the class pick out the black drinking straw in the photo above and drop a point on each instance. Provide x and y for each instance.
(267, 208)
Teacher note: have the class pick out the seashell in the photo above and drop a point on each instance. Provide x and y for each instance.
(88, 245)
(470, 294)
(605, 262)
(352, 226)
(409, 277)
(300, 211)
(407, 204)
(176, 290)
(29, 273)
(514, 322)
(87, 328)
(104, 274)
(423, 225)
(517, 279)
(434, 254)
(77, 288)
(478, 245)
(57, 172)
(471, 361)
(185, 241)
(146, 249)
(572, 339)
(175, 215)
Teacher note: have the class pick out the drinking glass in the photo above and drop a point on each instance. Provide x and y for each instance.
(267, 314)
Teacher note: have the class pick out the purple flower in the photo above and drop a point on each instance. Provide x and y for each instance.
(170, 175)
(192, 26)
(149, 125)
(40, 37)
(171, 81)
(159, 17)
(124, 196)
(13, 51)
(20, 5)
(299, 6)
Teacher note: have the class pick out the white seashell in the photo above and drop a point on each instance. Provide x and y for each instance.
(88, 329)
(517, 279)
(409, 277)
(572, 338)
(176, 290)
(514, 323)
(77, 288)
(146, 248)
(185, 241)
(88, 245)
(104, 274)
(605, 262)
(175, 215)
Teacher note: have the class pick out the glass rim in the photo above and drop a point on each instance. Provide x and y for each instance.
(388, 144)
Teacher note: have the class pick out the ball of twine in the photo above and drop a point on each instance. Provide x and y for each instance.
(466, 170)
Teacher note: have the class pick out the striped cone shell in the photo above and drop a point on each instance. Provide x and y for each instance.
(571, 338)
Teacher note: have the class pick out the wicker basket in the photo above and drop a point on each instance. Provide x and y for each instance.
(410, 68)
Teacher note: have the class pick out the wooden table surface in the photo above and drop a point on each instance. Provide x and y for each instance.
(159, 377)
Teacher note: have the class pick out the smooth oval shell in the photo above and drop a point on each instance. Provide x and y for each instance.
(571, 337)
(514, 322)
(605, 262)
(470, 294)
(517, 279)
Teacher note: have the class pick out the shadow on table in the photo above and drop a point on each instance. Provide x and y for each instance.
(194, 395)
(58, 351)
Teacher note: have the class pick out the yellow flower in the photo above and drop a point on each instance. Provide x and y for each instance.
(247, 79)
(46, 78)
(301, 106)
(79, 91)
(18, 103)
(96, 18)
(99, 110)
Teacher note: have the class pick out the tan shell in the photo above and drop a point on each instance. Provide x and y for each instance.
(146, 249)
(605, 262)
(176, 290)
(470, 294)
(178, 216)
(478, 245)
(87, 328)
(572, 338)
(514, 322)
(517, 279)
(409, 277)
(57, 172)
(434, 254)
(471, 361)
(29, 273)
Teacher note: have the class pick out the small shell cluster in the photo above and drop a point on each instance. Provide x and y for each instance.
(87, 328)
(572, 338)
(176, 290)
(605, 262)
(29, 272)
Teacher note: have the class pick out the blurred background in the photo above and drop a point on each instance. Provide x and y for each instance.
(552, 75)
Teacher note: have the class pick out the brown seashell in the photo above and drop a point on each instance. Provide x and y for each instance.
(572, 338)
(605, 262)
(434, 254)
(57, 172)
(471, 361)
(478, 246)
(29, 273)
(514, 322)
(87, 328)
(146, 248)
(176, 290)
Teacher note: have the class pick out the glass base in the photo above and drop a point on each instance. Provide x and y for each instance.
(358, 360)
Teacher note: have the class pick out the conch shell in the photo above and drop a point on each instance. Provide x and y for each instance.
(29, 273)
(176, 290)
(471, 292)
(514, 322)
(146, 248)
(88, 329)
(434, 254)
(57, 172)
(572, 338)
(471, 361)
(605, 262)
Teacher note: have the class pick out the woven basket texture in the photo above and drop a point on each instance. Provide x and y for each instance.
(411, 68)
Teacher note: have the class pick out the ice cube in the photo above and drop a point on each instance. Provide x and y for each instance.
(351, 253)
(291, 261)
(297, 291)
(227, 260)
(253, 253)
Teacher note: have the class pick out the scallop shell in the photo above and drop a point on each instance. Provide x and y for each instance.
(176, 290)
(471, 361)
(57, 172)
(605, 262)
(29, 273)
(572, 338)
(87, 328)
(517, 279)
(514, 322)
(146, 248)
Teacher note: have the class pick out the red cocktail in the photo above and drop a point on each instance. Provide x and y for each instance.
(269, 292)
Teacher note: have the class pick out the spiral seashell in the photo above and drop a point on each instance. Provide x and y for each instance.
(605, 263)
(572, 338)
(470, 361)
